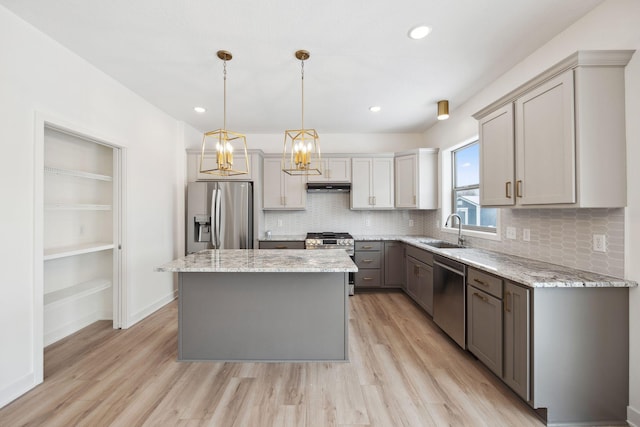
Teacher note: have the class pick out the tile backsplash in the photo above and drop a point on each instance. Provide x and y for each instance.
(330, 212)
(558, 236)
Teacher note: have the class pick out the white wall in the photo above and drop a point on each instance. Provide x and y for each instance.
(39, 75)
(333, 143)
(612, 25)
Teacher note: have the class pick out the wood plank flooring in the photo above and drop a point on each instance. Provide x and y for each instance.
(403, 372)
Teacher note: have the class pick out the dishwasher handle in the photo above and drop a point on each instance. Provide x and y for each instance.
(451, 269)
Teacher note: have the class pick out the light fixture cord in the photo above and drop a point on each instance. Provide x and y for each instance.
(302, 79)
(224, 114)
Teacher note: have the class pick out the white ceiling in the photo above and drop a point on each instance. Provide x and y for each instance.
(164, 50)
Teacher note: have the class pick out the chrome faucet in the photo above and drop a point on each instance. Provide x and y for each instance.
(446, 224)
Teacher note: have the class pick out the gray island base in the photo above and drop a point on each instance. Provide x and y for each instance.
(263, 305)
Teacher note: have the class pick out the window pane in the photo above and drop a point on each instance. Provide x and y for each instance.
(466, 166)
(467, 205)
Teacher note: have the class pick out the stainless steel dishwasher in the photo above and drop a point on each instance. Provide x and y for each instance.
(449, 299)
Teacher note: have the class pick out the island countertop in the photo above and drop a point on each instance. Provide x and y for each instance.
(262, 261)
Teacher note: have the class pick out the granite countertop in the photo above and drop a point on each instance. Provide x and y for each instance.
(262, 261)
(532, 273)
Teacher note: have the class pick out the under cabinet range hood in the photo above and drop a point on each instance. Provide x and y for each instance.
(321, 187)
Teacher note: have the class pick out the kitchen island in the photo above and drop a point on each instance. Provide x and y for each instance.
(263, 305)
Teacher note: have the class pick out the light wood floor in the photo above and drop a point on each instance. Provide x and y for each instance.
(403, 372)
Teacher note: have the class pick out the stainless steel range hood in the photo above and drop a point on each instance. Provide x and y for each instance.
(322, 187)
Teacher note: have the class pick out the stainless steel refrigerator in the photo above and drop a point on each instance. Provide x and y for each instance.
(219, 215)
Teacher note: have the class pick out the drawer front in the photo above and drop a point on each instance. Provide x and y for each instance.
(368, 259)
(420, 255)
(281, 244)
(368, 246)
(485, 282)
(368, 277)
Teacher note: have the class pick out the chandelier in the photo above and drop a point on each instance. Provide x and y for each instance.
(226, 143)
(301, 154)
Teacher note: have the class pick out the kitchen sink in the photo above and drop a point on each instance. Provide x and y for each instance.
(441, 244)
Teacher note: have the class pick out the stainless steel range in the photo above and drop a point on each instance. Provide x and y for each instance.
(330, 240)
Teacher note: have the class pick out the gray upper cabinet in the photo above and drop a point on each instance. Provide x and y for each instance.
(559, 139)
(517, 352)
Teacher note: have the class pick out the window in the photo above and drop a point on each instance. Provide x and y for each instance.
(465, 194)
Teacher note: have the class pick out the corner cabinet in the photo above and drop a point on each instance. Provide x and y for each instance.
(282, 191)
(416, 179)
(559, 139)
(372, 183)
(334, 169)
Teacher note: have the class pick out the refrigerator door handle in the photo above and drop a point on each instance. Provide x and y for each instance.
(218, 216)
(214, 217)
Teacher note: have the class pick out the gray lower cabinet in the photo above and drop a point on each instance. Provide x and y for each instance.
(281, 244)
(394, 264)
(419, 277)
(369, 257)
(484, 328)
(517, 363)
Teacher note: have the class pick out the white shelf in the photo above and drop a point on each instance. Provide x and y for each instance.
(76, 207)
(85, 248)
(77, 174)
(75, 292)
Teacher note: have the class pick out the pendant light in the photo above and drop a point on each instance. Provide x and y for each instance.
(443, 109)
(230, 147)
(301, 154)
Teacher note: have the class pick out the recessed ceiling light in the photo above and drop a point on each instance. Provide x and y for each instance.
(375, 108)
(419, 32)
(199, 109)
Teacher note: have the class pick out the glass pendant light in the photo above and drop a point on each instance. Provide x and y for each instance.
(230, 147)
(301, 154)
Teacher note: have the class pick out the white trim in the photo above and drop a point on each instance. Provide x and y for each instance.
(18, 388)
(152, 308)
(633, 417)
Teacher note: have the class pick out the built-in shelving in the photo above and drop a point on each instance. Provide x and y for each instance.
(67, 251)
(76, 207)
(77, 291)
(76, 173)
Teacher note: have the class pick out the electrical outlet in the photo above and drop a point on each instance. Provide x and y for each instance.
(511, 232)
(410, 223)
(599, 243)
(526, 234)
(279, 222)
(437, 223)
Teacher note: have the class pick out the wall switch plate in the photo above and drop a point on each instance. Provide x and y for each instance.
(511, 232)
(279, 222)
(599, 243)
(410, 223)
(526, 234)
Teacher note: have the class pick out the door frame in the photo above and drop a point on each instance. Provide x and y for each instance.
(119, 283)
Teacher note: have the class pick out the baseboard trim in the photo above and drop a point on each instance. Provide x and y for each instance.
(151, 308)
(17, 389)
(633, 417)
(75, 326)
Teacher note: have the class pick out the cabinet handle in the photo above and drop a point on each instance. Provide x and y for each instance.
(281, 247)
(367, 260)
(506, 302)
(414, 200)
(480, 282)
(367, 247)
(367, 278)
(416, 270)
(507, 189)
(519, 188)
(328, 171)
(482, 297)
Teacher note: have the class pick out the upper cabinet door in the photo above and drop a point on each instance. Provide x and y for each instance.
(383, 183)
(334, 169)
(497, 162)
(406, 181)
(361, 191)
(545, 143)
